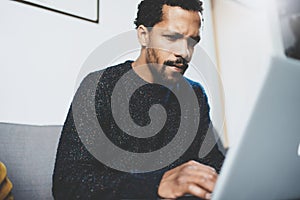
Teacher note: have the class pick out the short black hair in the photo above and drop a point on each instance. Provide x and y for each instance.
(150, 11)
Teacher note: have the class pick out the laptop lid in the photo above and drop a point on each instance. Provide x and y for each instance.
(265, 162)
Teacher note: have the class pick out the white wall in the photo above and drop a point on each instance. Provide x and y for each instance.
(247, 35)
(41, 54)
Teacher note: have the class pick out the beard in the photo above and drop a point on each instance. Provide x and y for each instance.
(160, 71)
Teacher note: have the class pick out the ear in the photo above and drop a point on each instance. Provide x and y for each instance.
(143, 35)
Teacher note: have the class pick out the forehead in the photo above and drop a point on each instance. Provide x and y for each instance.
(177, 19)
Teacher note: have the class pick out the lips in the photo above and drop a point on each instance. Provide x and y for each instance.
(178, 67)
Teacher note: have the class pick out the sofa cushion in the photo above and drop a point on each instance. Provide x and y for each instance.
(29, 155)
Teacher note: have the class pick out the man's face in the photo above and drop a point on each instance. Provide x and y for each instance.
(172, 41)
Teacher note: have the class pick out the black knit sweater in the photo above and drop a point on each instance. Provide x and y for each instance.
(79, 175)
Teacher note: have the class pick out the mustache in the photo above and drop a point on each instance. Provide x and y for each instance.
(179, 61)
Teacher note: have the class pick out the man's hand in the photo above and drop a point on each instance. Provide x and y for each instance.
(189, 178)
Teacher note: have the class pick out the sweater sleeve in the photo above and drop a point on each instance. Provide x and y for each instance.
(206, 146)
(77, 174)
(211, 150)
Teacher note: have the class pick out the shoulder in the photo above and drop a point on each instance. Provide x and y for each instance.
(106, 75)
(197, 87)
(200, 93)
(111, 71)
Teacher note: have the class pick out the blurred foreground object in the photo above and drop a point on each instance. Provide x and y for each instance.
(5, 184)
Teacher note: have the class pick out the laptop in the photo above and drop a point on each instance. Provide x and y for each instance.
(265, 162)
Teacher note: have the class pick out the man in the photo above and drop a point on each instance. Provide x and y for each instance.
(167, 30)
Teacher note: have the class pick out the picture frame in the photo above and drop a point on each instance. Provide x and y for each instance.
(82, 9)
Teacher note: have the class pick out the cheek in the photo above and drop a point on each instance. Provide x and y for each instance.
(164, 55)
(170, 47)
(161, 44)
(163, 51)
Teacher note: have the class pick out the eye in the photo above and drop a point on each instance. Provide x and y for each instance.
(172, 38)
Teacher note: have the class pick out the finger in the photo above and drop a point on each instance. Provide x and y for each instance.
(199, 174)
(196, 170)
(195, 164)
(198, 191)
(200, 180)
(205, 183)
(192, 164)
(194, 174)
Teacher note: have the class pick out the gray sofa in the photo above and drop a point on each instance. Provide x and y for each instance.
(29, 155)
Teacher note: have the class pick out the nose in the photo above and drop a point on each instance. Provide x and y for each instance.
(183, 50)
